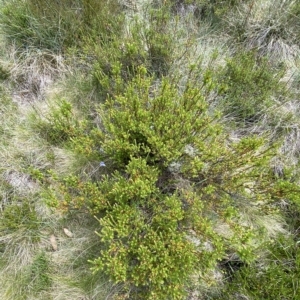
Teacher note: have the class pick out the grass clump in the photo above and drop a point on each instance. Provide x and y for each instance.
(277, 278)
(39, 273)
(249, 85)
(4, 73)
(271, 27)
(17, 216)
(56, 26)
(212, 10)
(8, 111)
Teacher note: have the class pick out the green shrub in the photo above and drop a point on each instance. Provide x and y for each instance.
(116, 63)
(169, 189)
(160, 40)
(151, 43)
(169, 178)
(60, 125)
(64, 126)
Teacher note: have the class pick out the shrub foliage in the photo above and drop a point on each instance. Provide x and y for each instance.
(168, 177)
(170, 188)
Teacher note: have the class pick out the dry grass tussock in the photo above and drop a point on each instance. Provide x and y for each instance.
(285, 119)
(23, 273)
(268, 26)
(65, 268)
(32, 72)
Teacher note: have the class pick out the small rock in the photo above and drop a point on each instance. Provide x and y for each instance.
(53, 242)
(68, 232)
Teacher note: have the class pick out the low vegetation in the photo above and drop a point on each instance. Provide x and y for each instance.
(149, 150)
